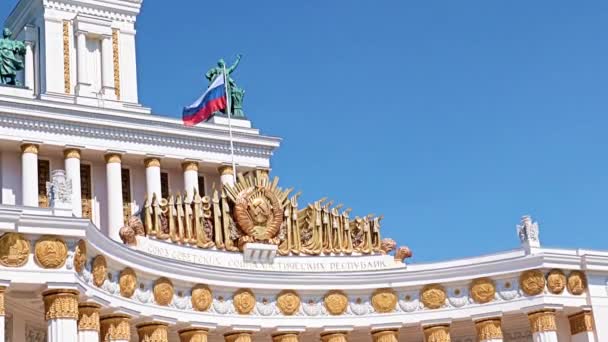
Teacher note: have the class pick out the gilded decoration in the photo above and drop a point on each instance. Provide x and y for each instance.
(127, 280)
(14, 250)
(438, 333)
(384, 300)
(238, 337)
(60, 304)
(556, 281)
(2, 307)
(152, 162)
(67, 88)
(116, 62)
(88, 316)
(71, 153)
(532, 282)
(334, 337)
(29, 148)
(385, 336)
(225, 170)
(489, 330)
(202, 297)
(483, 290)
(433, 296)
(335, 302)
(80, 256)
(288, 302)
(193, 335)
(285, 337)
(113, 158)
(100, 270)
(244, 301)
(190, 166)
(577, 283)
(581, 322)
(50, 252)
(115, 327)
(542, 321)
(163, 291)
(153, 332)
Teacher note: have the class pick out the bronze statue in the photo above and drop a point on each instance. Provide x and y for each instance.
(12, 53)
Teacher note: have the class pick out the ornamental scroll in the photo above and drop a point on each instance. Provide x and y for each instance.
(255, 209)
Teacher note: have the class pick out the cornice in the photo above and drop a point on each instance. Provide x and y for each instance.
(119, 10)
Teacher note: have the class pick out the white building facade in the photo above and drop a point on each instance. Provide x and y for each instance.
(119, 225)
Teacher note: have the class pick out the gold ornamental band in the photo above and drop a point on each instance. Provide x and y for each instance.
(61, 303)
(2, 307)
(67, 87)
(225, 170)
(30, 148)
(115, 327)
(542, 321)
(71, 153)
(153, 332)
(193, 335)
(437, 333)
(488, 329)
(152, 162)
(116, 62)
(113, 158)
(190, 166)
(285, 337)
(391, 335)
(581, 322)
(88, 316)
(238, 337)
(334, 337)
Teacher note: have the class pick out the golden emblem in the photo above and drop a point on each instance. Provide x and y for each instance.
(483, 290)
(128, 282)
(258, 208)
(288, 302)
(80, 256)
(163, 291)
(14, 250)
(243, 301)
(335, 302)
(577, 283)
(556, 281)
(532, 282)
(433, 296)
(201, 297)
(384, 300)
(100, 270)
(50, 252)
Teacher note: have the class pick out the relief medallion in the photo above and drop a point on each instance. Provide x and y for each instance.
(433, 296)
(384, 300)
(335, 302)
(288, 302)
(532, 282)
(163, 291)
(243, 301)
(127, 280)
(50, 252)
(14, 250)
(100, 270)
(556, 281)
(577, 283)
(80, 256)
(202, 297)
(483, 290)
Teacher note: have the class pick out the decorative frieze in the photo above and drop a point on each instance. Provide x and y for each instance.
(244, 301)
(335, 302)
(61, 303)
(115, 327)
(127, 280)
(288, 301)
(433, 296)
(50, 252)
(577, 283)
(14, 250)
(581, 322)
(489, 329)
(542, 321)
(483, 290)
(163, 291)
(99, 270)
(532, 282)
(202, 297)
(384, 300)
(556, 281)
(80, 256)
(88, 316)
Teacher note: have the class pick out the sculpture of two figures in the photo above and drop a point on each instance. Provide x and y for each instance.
(236, 94)
(12, 53)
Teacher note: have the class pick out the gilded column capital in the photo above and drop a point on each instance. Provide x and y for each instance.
(88, 316)
(152, 162)
(242, 336)
(60, 303)
(390, 335)
(489, 329)
(437, 333)
(193, 335)
(334, 336)
(225, 170)
(2, 307)
(285, 337)
(190, 166)
(113, 158)
(30, 148)
(69, 153)
(581, 322)
(153, 332)
(115, 327)
(542, 321)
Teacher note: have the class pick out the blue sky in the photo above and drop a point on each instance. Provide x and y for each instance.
(451, 118)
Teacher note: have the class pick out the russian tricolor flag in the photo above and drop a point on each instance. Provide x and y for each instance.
(213, 100)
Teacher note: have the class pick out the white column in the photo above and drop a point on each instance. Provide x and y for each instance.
(153, 185)
(581, 327)
(190, 178)
(81, 47)
(29, 65)
(226, 175)
(2, 313)
(114, 185)
(543, 326)
(489, 330)
(61, 307)
(107, 68)
(72, 171)
(29, 175)
(115, 328)
(88, 322)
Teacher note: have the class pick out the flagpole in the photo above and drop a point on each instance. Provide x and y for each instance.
(228, 111)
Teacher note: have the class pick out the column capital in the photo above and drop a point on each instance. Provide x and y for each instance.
(113, 157)
(386, 335)
(61, 303)
(30, 148)
(115, 327)
(242, 336)
(437, 333)
(152, 162)
(88, 316)
(225, 170)
(334, 336)
(190, 165)
(285, 337)
(581, 322)
(193, 335)
(153, 332)
(2, 307)
(71, 153)
(489, 329)
(542, 321)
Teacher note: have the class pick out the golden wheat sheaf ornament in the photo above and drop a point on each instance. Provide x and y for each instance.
(258, 207)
